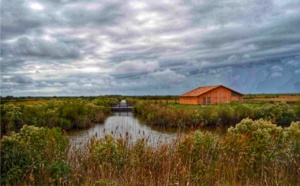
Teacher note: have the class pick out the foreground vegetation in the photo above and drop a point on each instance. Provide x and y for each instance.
(251, 153)
(177, 115)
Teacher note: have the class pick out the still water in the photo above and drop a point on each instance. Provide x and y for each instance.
(124, 124)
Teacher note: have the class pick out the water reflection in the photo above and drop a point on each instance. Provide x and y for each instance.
(123, 124)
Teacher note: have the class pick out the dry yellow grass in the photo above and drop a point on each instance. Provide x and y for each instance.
(27, 102)
(280, 98)
(164, 101)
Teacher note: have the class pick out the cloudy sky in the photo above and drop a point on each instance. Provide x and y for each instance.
(163, 47)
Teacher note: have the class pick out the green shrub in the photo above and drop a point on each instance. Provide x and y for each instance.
(33, 153)
(256, 144)
(107, 152)
(11, 118)
(64, 123)
(279, 113)
(293, 134)
(199, 151)
(297, 110)
(67, 114)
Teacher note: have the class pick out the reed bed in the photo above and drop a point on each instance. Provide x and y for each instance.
(254, 152)
(69, 113)
(182, 116)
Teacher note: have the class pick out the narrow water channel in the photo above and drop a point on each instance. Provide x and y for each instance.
(123, 124)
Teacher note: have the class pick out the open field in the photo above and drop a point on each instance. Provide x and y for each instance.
(272, 98)
(28, 102)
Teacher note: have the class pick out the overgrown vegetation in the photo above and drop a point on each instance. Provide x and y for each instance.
(251, 153)
(35, 156)
(256, 151)
(176, 115)
(65, 113)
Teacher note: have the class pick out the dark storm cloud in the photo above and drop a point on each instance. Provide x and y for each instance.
(148, 47)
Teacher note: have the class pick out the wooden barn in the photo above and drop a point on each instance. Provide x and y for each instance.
(210, 95)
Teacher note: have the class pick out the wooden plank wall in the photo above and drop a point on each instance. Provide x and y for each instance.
(218, 95)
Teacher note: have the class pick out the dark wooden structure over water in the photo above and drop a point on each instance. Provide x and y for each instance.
(210, 95)
(122, 106)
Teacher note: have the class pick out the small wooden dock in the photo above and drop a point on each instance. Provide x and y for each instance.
(122, 106)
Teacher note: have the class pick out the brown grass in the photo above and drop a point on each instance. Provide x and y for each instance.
(281, 98)
(27, 102)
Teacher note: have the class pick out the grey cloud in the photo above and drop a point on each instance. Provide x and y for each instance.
(106, 15)
(16, 19)
(167, 76)
(224, 12)
(44, 49)
(135, 53)
(132, 67)
(276, 68)
(264, 36)
(293, 62)
(150, 46)
(23, 79)
(276, 74)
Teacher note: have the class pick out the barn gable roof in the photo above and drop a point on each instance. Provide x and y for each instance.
(202, 90)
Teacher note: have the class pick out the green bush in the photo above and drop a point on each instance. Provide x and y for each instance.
(33, 153)
(297, 110)
(199, 151)
(67, 114)
(64, 123)
(108, 152)
(11, 118)
(256, 144)
(293, 134)
(279, 113)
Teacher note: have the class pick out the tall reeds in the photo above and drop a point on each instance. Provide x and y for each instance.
(251, 153)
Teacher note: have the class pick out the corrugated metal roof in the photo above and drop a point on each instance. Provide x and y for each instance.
(201, 90)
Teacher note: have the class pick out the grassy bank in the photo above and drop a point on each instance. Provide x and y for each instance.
(252, 153)
(178, 115)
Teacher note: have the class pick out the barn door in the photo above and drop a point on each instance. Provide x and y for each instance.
(204, 101)
(208, 100)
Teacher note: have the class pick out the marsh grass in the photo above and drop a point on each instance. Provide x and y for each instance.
(182, 116)
(251, 153)
(72, 113)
